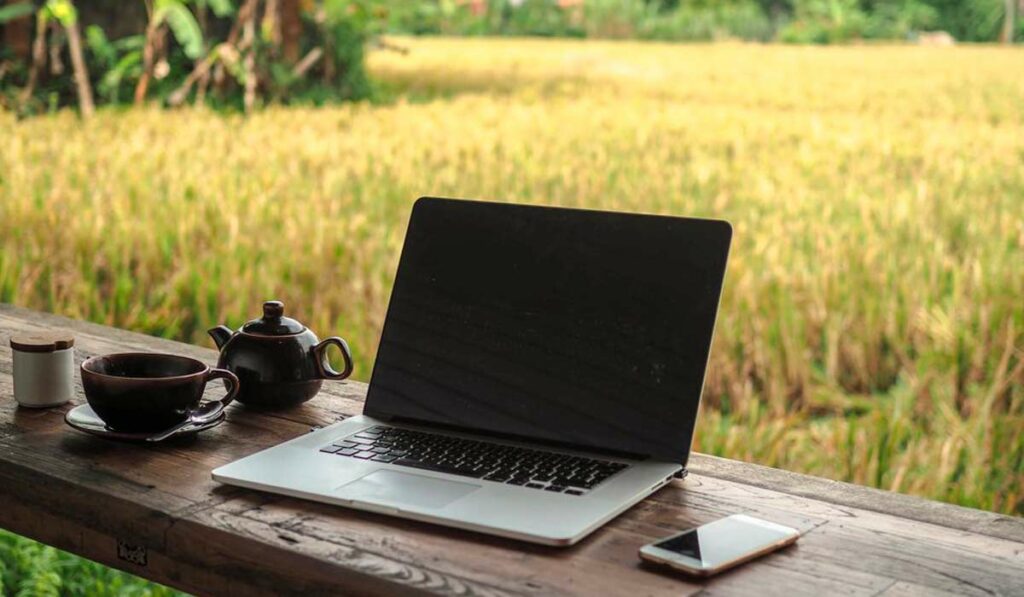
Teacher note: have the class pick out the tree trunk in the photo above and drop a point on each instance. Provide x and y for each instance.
(148, 57)
(18, 34)
(272, 22)
(248, 38)
(291, 29)
(56, 61)
(307, 62)
(204, 78)
(329, 54)
(241, 19)
(38, 60)
(1009, 22)
(80, 70)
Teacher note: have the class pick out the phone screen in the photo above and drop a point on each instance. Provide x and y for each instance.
(723, 540)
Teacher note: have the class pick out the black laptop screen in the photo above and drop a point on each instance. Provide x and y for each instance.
(575, 326)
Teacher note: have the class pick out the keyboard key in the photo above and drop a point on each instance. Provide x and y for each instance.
(501, 463)
(330, 449)
(465, 472)
(573, 492)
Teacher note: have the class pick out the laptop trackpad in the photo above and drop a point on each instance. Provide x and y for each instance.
(405, 489)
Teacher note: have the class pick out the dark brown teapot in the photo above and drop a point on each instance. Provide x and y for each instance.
(279, 362)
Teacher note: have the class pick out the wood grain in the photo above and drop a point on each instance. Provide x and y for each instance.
(88, 495)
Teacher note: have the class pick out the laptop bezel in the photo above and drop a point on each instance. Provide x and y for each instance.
(397, 418)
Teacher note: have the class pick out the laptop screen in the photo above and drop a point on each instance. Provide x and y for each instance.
(583, 327)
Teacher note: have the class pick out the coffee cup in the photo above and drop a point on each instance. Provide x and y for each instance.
(150, 392)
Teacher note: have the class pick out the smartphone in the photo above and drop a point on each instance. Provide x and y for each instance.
(719, 545)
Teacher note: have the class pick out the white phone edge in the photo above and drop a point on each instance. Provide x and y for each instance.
(650, 552)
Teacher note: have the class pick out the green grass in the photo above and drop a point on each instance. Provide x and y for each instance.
(872, 328)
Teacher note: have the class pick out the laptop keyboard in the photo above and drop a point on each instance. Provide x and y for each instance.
(512, 465)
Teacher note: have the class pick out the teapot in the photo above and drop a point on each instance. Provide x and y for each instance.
(279, 362)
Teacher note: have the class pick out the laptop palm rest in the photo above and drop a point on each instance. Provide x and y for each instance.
(405, 489)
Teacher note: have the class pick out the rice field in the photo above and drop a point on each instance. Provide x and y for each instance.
(872, 328)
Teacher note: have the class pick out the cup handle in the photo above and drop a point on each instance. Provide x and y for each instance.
(211, 410)
(321, 358)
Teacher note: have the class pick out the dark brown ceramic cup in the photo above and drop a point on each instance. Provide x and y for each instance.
(150, 392)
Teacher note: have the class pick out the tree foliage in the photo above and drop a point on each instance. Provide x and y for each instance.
(799, 21)
(226, 53)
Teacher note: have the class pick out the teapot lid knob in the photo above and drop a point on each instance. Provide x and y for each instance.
(273, 322)
(273, 309)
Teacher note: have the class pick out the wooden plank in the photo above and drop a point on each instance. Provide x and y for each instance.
(396, 547)
(245, 546)
(906, 589)
(863, 541)
(840, 553)
(68, 533)
(868, 498)
(84, 494)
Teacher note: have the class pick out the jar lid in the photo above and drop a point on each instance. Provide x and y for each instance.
(273, 322)
(42, 342)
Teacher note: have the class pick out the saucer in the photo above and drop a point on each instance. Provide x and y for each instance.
(84, 419)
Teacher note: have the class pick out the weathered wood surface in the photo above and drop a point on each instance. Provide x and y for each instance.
(90, 496)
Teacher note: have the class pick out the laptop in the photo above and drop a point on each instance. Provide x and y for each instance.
(538, 373)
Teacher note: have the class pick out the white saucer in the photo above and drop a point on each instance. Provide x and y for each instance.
(84, 419)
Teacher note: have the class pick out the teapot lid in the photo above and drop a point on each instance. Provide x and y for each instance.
(273, 322)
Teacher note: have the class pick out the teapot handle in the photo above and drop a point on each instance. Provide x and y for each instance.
(321, 358)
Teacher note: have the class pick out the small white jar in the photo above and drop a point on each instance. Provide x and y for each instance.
(44, 369)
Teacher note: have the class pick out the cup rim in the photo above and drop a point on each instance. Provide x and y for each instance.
(89, 361)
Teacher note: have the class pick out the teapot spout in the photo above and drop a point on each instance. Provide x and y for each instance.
(220, 334)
